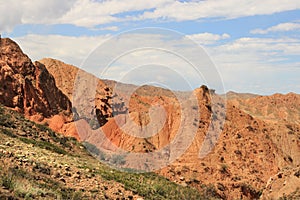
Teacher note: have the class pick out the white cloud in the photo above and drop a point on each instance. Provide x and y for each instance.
(72, 50)
(85, 13)
(263, 46)
(270, 63)
(278, 28)
(17, 12)
(140, 49)
(225, 9)
(90, 13)
(208, 38)
(110, 28)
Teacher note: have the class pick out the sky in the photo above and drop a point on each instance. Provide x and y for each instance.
(230, 45)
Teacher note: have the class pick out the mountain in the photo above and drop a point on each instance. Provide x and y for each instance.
(231, 149)
(234, 95)
(250, 149)
(276, 108)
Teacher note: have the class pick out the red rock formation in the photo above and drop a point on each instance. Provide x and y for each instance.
(29, 87)
(104, 104)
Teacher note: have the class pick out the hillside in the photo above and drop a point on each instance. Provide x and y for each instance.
(39, 163)
(276, 108)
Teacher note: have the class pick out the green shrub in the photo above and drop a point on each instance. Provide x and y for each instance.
(7, 132)
(7, 181)
(44, 145)
(224, 169)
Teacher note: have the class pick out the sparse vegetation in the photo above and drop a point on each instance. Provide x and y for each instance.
(29, 176)
(44, 145)
(292, 196)
(7, 181)
(249, 191)
(297, 174)
(223, 169)
(152, 186)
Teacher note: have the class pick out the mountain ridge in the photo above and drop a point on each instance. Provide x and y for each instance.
(237, 111)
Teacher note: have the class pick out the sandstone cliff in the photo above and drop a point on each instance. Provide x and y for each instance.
(28, 86)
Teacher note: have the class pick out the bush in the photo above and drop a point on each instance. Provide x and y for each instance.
(7, 132)
(224, 169)
(8, 182)
(118, 160)
(249, 191)
(44, 145)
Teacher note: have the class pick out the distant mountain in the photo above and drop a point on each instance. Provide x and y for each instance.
(277, 107)
(234, 95)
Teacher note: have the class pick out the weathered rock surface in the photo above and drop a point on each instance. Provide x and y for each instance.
(101, 104)
(28, 86)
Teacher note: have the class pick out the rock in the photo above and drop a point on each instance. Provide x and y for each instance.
(57, 174)
(184, 184)
(196, 181)
(221, 187)
(88, 170)
(28, 86)
(76, 176)
(106, 104)
(89, 176)
(68, 174)
(67, 168)
(7, 144)
(62, 180)
(21, 133)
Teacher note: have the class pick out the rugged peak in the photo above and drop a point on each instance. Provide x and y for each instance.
(203, 89)
(9, 44)
(28, 87)
(203, 93)
(12, 55)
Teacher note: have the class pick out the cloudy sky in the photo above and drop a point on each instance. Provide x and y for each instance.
(253, 45)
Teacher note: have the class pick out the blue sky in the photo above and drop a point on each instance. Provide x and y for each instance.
(254, 45)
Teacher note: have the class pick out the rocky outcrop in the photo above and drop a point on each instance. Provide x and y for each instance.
(28, 87)
(102, 104)
(276, 108)
(283, 185)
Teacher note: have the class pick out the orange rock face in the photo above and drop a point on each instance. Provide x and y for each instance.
(29, 87)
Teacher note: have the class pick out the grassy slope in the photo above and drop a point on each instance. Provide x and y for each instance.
(37, 163)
